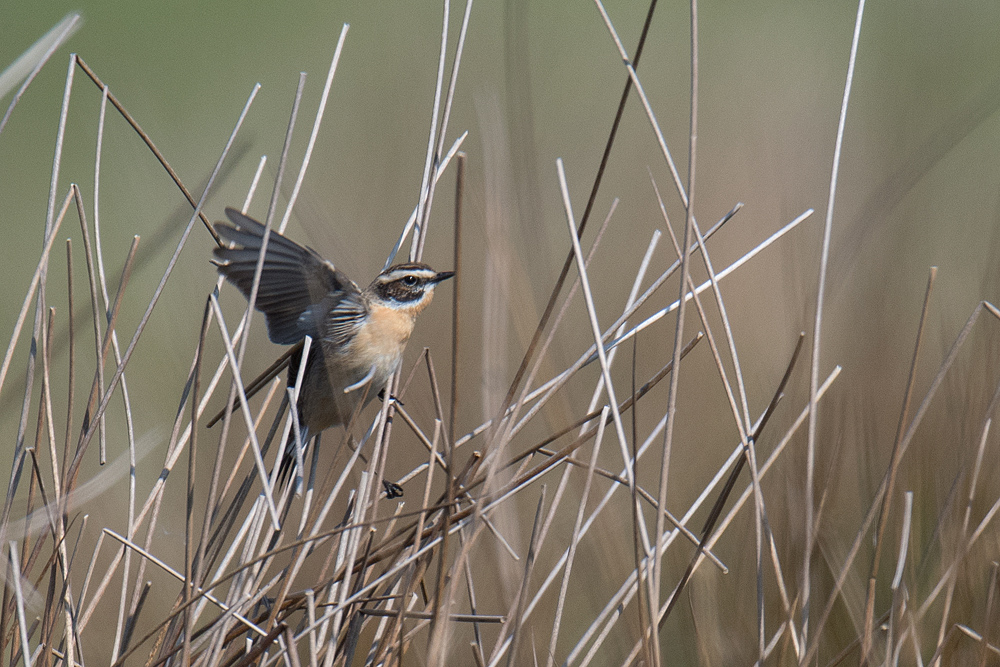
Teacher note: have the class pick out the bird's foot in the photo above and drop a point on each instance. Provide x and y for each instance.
(392, 490)
(394, 399)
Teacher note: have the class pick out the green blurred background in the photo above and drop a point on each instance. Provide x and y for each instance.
(918, 179)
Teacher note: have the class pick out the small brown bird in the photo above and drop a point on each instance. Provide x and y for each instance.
(358, 335)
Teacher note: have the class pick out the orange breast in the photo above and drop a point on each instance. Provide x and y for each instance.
(378, 344)
(380, 341)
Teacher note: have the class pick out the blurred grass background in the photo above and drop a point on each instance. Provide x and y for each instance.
(918, 187)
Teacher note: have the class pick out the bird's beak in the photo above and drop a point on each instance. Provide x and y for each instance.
(444, 275)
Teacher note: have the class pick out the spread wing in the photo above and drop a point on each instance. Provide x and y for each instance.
(298, 291)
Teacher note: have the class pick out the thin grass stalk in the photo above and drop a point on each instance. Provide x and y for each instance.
(439, 413)
(372, 481)
(22, 626)
(437, 643)
(567, 264)
(100, 256)
(46, 416)
(71, 351)
(443, 130)
(984, 642)
(50, 209)
(477, 645)
(253, 185)
(412, 220)
(548, 389)
(91, 421)
(591, 519)
(759, 513)
(778, 634)
(816, 342)
(133, 618)
(899, 594)
(912, 628)
(436, 631)
(159, 289)
(868, 629)
(245, 411)
(179, 576)
(51, 41)
(313, 523)
(101, 272)
(575, 540)
(514, 619)
(315, 129)
(353, 629)
(455, 301)
(786, 604)
(424, 197)
(275, 386)
(101, 587)
(945, 365)
(46, 527)
(38, 284)
(111, 335)
(191, 553)
(46, 627)
(104, 346)
(349, 527)
(625, 592)
(433, 155)
(269, 218)
(595, 328)
(655, 317)
(346, 555)
(657, 564)
(629, 303)
(311, 617)
(49, 612)
(153, 502)
(746, 441)
(951, 574)
(33, 286)
(293, 421)
(237, 364)
(151, 146)
(590, 355)
(252, 388)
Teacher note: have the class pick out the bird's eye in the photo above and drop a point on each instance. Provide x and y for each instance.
(410, 281)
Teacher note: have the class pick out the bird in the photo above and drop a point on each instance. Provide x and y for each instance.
(358, 334)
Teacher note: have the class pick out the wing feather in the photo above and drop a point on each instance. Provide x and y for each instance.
(298, 288)
(343, 323)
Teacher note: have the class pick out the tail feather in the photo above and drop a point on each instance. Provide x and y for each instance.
(288, 461)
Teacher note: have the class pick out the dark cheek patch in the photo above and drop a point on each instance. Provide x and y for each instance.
(399, 293)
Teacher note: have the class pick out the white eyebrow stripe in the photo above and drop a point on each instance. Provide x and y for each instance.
(425, 274)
